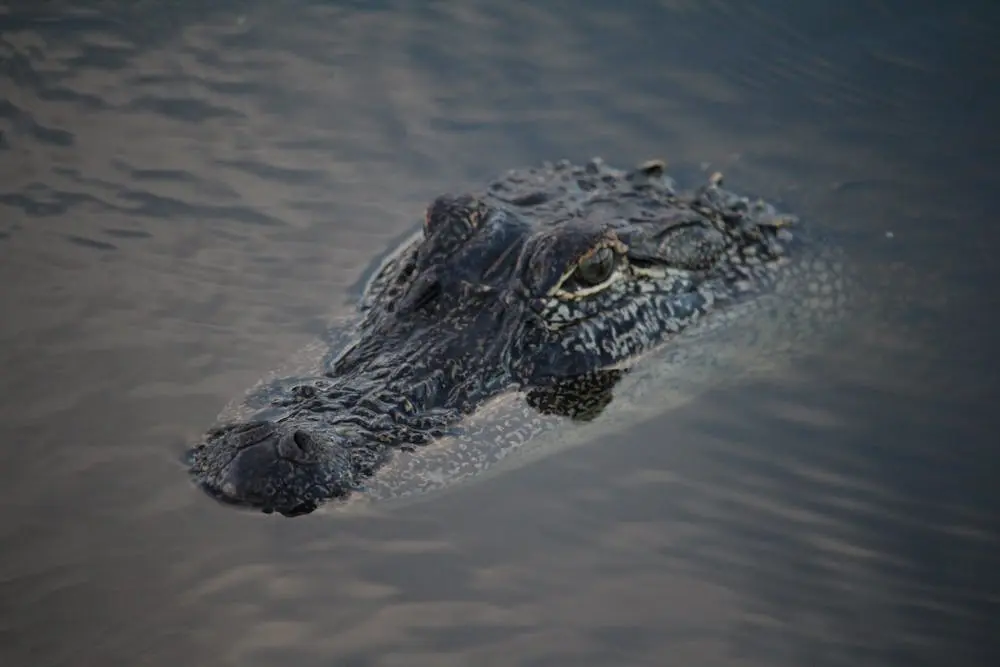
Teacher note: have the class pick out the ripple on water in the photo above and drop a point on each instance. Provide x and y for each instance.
(247, 159)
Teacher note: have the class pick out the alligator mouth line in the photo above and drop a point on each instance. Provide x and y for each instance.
(250, 505)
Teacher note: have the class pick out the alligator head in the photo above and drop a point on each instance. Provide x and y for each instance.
(495, 296)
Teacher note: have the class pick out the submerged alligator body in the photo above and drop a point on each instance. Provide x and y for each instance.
(514, 309)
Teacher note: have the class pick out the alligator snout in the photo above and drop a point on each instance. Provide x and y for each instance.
(269, 465)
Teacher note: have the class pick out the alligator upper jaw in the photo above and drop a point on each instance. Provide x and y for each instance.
(272, 467)
(286, 509)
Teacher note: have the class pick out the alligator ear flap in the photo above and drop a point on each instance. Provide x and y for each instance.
(581, 398)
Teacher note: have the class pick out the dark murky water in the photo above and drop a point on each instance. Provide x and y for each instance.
(187, 195)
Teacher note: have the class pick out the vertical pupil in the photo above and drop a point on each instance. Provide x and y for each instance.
(598, 266)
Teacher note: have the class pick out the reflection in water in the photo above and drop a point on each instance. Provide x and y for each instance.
(188, 194)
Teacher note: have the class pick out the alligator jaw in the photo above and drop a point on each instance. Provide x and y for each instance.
(272, 467)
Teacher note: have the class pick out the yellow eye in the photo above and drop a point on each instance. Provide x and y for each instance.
(597, 267)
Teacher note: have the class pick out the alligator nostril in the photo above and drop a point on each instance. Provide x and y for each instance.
(295, 446)
(302, 439)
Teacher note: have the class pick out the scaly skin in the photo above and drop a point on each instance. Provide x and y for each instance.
(548, 285)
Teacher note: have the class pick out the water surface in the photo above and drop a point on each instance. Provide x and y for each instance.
(188, 196)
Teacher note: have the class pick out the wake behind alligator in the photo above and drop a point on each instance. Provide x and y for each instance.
(515, 312)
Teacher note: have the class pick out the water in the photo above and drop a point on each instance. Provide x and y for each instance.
(188, 195)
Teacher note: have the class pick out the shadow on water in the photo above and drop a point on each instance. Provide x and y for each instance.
(187, 196)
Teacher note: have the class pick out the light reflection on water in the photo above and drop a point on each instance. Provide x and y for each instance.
(188, 196)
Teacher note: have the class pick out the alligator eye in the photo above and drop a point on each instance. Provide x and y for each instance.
(597, 267)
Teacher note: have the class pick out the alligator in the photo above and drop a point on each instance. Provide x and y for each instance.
(513, 308)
